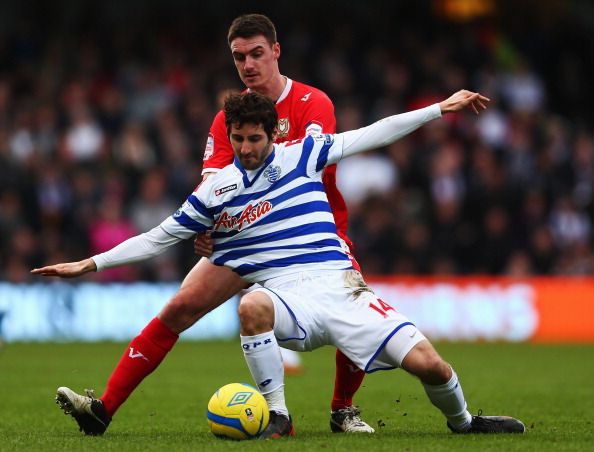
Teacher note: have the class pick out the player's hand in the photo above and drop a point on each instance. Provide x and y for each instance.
(463, 99)
(67, 269)
(203, 245)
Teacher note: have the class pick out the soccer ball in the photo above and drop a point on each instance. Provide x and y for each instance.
(237, 411)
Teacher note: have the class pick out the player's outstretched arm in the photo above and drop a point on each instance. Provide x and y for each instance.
(67, 269)
(135, 249)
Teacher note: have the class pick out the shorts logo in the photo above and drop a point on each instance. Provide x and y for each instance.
(220, 191)
(272, 173)
(209, 149)
(283, 127)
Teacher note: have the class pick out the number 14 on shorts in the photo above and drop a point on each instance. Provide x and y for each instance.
(381, 307)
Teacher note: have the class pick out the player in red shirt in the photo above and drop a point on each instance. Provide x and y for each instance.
(302, 109)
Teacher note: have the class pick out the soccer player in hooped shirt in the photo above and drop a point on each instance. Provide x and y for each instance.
(304, 110)
(272, 225)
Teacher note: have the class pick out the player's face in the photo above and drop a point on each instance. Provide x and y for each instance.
(256, 61)
(250, 144)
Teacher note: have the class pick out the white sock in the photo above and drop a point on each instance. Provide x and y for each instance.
(449, 398)
(263, 358)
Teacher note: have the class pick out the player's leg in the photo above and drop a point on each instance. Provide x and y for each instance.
(344, 416)
(204, 288)
(442, 385)
(263, 357)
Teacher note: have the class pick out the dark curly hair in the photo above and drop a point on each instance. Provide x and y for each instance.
(250, 108)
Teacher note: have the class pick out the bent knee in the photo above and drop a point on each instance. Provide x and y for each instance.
(425, 363)
(256, 313)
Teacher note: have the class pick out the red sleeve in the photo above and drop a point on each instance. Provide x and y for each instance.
(218, 152)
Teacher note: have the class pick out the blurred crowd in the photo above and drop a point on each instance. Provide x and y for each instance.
(102, 135)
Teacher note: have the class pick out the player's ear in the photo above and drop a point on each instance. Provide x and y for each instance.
(276, 50)
(275, 134)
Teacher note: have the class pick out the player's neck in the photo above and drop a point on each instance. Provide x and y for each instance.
(275, 88)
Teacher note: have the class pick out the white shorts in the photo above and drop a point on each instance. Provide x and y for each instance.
(338, 308)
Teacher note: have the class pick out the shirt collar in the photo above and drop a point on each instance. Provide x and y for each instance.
(285, 92)
(250, 176)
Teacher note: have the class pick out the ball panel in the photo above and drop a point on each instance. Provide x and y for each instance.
(221, 425)
(237, 411)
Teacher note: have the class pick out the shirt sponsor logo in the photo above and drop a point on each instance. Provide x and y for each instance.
(220, 191)
(250, 215)
(272, 173)
(209, 149)
(283, 127)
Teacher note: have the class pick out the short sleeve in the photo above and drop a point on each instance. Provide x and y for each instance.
(218, 152)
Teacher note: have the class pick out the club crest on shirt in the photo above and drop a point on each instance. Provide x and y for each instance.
(283, 127)
(220, 191)
(272, 173)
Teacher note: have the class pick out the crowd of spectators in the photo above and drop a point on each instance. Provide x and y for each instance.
(102, 134)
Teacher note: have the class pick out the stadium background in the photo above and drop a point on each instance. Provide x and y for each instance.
(105, 108)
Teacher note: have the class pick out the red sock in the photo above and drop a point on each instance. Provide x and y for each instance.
(143, 355)
(348, 380)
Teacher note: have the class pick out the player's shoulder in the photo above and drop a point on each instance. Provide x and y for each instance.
(219, 118)
(306, 142)
(307, 93)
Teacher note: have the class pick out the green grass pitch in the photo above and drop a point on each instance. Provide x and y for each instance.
(551, 388)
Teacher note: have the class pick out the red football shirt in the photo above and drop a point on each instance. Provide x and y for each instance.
(302, 110)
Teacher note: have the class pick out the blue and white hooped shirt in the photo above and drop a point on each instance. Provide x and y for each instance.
(271, 221)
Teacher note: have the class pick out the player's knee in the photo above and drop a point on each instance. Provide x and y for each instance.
(425, 363)
(256, 313)
(248, 309)
(183, 310)
(436, 370)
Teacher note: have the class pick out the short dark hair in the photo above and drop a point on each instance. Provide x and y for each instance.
(250, 108)
(250, 25)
